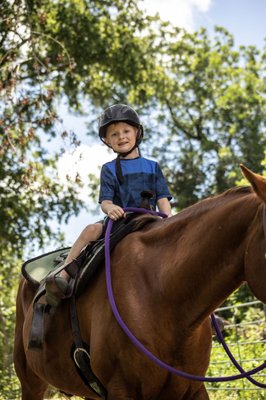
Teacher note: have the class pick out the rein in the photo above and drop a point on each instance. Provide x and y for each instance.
(142, 348)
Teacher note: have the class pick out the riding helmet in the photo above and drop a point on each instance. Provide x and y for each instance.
(119, 113)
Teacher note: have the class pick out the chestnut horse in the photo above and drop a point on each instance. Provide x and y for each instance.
(167, 279)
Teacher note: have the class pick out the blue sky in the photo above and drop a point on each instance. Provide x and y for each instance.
(244, 19)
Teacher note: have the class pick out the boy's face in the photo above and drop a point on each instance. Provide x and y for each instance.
(121, 136)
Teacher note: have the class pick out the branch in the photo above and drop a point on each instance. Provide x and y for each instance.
(197, 124)
(3, 40)
(177, 123)
(56, 41)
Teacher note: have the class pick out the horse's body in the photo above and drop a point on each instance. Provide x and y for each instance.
(167, 279)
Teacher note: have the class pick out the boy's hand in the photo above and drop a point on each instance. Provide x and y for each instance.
(115, 212)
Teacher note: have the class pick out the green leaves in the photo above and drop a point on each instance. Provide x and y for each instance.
(213, 105)
(202, 103)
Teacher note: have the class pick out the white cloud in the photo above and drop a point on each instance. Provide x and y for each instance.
(179, 12)
(85, 160)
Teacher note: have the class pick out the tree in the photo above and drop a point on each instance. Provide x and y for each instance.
(211, 100)
(76, 49)
(202, 103)
(51, 49)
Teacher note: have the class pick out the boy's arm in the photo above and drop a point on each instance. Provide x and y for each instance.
(113, 211)
(164, 206)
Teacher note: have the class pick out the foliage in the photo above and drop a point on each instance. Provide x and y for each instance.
(49, 49)
(9, 386)
(202, 102)
(211, 100)
(245, 337)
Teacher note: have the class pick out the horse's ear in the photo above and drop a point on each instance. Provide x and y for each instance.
(257, 181)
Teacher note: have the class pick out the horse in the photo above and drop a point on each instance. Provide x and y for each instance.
(167, 279)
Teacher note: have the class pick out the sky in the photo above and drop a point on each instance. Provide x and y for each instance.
(244, 19)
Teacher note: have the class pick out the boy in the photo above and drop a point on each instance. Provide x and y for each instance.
(122, 181)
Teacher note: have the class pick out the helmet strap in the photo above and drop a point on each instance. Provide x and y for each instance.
(118, 168)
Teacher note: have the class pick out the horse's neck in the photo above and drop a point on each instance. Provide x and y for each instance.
(208, 260)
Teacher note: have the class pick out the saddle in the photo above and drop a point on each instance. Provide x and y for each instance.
(84, 267)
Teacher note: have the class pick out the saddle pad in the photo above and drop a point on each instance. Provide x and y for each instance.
(93, 258)
(36, 269)
(89, 260)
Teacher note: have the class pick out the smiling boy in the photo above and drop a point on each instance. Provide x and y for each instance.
(121, 184)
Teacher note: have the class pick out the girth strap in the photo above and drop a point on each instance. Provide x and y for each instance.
(37, 327)
(81, 355)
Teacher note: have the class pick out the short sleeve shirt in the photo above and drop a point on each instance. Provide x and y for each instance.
(139, 174)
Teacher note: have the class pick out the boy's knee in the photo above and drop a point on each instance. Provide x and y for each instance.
(92, 232)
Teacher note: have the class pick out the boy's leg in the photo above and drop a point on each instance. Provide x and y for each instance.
(58, 287)
(89, 234)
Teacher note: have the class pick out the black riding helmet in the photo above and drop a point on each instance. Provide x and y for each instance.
(119, 113)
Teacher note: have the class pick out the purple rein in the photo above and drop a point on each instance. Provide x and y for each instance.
(140, 346)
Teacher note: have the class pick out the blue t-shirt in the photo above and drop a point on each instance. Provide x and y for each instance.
(139, 174)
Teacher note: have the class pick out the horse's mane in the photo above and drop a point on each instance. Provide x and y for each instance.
(224, 197)
(143, 220)
(216, 200)
(237, 190)
(146, 220)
